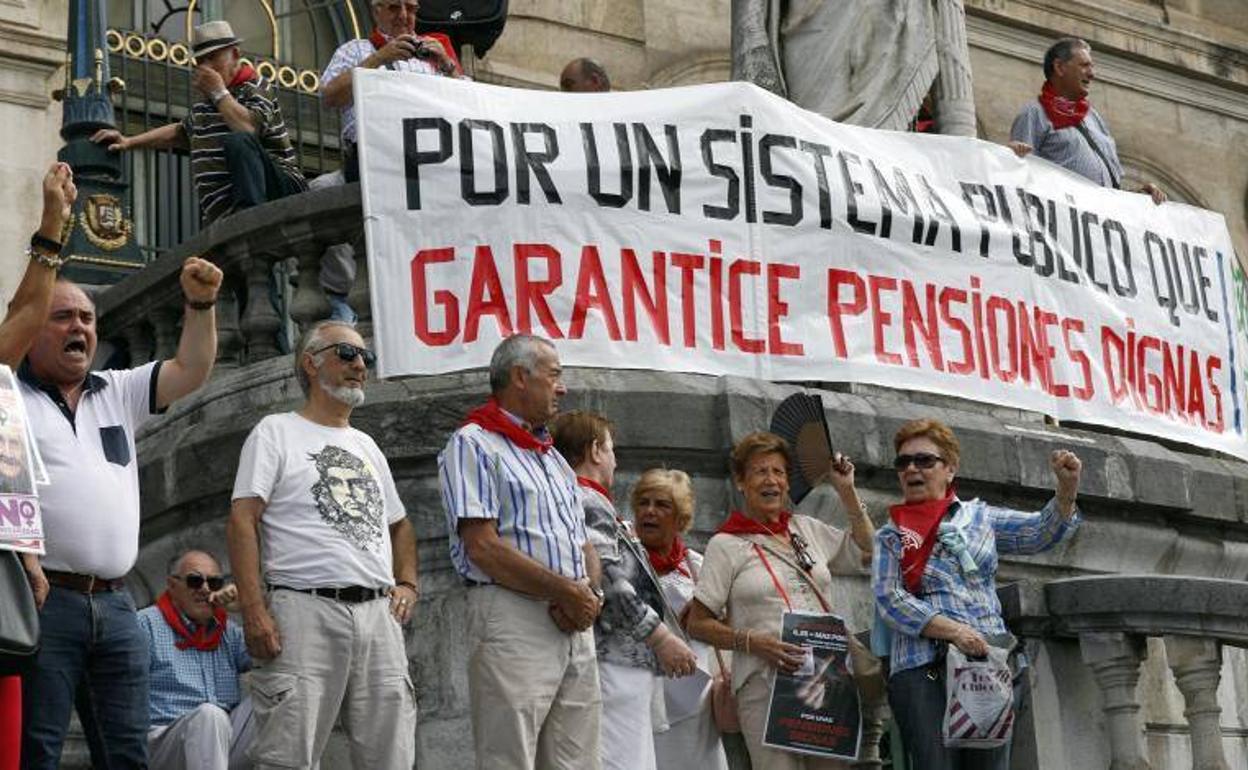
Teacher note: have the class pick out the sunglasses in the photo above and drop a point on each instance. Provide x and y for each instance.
(347, 353)
(921, 460)
(195, 581)
(801, 549)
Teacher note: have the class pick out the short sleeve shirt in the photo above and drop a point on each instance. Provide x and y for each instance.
(182, 680)
(91, 506)
(734, 579)
(349, 56)
(329, 503)
(1068, 147)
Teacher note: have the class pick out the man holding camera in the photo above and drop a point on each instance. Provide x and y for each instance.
(393, 45)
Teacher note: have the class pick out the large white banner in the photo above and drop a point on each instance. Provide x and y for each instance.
(721, 230)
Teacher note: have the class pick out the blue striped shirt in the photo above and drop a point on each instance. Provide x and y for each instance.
(1068, 147)
(532, 496)
(182, 680)
(945, 589)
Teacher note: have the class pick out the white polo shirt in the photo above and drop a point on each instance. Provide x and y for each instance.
(91, 507)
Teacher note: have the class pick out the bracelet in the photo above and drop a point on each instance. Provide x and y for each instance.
(201, 305)
(748, 633)
(408, 584)
(47, 245)
(50, 261)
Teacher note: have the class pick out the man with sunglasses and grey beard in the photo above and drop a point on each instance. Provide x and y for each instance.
(200, 720)
(322, 613)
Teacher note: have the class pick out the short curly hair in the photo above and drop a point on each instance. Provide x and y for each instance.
(673, 482)
(935, 431)
(754, 444)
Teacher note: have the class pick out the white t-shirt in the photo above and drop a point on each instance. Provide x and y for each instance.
(91, 505)
(329, 503)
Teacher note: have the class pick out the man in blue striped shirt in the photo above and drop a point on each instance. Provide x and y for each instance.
(517, 538)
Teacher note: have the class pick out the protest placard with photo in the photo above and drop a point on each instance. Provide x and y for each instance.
(21, 527)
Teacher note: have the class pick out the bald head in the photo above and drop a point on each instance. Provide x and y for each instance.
(584, 76)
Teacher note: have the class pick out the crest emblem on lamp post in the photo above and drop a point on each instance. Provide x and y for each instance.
(104, 222)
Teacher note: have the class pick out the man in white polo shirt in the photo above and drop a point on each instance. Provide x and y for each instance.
(340, 568)
(84, 422)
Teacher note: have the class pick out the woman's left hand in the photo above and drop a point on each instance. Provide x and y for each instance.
(841, 474)
(1067, 468)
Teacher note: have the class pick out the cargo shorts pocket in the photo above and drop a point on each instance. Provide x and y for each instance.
(283, 734)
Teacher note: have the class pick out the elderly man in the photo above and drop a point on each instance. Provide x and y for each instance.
(92, 652)
(241, 155)
(340, 569)
(518, 540)
(199, 718)
(393, 45)
(1062, 126)
(584, 76)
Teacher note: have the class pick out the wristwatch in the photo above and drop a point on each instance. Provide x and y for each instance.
(601, 594)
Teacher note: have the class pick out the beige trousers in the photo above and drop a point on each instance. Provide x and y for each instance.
(752, 701)
(339, 661)
(534, 689)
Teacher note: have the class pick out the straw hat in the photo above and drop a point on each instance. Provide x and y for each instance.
(212, 36)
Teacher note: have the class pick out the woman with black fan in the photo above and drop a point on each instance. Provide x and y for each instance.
(763, 561)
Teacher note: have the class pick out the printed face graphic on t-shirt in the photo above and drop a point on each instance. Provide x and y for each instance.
(348, 496)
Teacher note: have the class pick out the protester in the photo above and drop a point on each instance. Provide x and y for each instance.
(92, 652)
(926, 594)
(26, 315)
(751, 575)
(241, 155)
(339, 565)
(1062, 126)
(200, 720)
(393, 45)
(584, 76)
(518, 540)
(636, 637)
(662, 504)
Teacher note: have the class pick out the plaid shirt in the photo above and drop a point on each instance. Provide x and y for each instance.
(182, 680)
(945, 589)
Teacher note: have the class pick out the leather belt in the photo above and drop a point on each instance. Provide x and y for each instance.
(83, 584)
(348, 594)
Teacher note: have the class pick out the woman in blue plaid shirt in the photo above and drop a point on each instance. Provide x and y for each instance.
(933, 573)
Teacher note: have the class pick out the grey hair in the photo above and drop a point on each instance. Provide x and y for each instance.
(1061, 51)
(516, 350)
(176, 560)
(313, 337)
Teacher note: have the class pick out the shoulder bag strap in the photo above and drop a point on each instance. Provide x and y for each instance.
(1087, 136)
(638, 551)
(827, 606)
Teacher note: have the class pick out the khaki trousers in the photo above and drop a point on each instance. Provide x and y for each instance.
(205, 738)
(534, 689)
(338, 661)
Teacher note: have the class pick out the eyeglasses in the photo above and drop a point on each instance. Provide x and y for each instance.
(195, 581)
(347, 353)
(921, 460)
(801, 549)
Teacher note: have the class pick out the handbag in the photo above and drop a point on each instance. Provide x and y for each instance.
(979, 700)
(19, 618)
(723, 699)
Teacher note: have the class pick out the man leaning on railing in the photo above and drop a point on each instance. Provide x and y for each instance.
(241, 155)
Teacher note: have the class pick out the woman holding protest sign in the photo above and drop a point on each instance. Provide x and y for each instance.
(766, 563)
(933, 577)
(662, 503)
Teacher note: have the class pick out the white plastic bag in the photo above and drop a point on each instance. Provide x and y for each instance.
(979, 705)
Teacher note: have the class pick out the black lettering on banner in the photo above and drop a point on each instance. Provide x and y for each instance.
(903, 200)
(819, 152)
(414, 157)
(782, 181)
(971, 191)
(942, 213)
(1111, 227)
(667, 172)
(732, 202)
(747, 168)
(594, 167)
(1155, 249)
(532, 162)
(1089, 220)
(1199, 253)
(467, 159)
(853, 188)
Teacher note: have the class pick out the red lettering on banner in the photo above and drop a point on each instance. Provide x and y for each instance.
(1114, 357)
(1037, 352)
(591, 292)
(1212, 365)
(655, 302)
(442, 298)
(531, 294)
(738, 268)
(1009, 371)
(977, 318)
(947, 296)
(485, 296)
(1174, 381)
(1146, 379)
(836, 308)
(912, 319)
(1132, 366)
(1085, 391)
(717, 295)
(777, 309)
(687, 264)
(881, 318)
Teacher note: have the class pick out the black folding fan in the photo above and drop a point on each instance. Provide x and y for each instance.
(800, 421)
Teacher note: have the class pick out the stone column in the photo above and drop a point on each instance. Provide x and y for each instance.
(309, 304)
(260, 321)
(139, 339)
(359, 298)
(229, 336)
(165, 320)
(1115, 662)
(955, 95)
(1197, 667)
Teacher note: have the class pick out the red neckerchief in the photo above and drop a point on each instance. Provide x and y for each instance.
(205, 638)
(379, 40)
(917, 523)
(738, 523)
(245, 73)
(594, 485)
(1062, 112)
(674, 559)
(492, 417)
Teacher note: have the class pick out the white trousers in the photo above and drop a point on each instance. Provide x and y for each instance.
(627, 732)
(207, 738)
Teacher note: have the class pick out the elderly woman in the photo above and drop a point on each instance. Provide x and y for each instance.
(634, 643)
(736, 584)
(930, 596)
(662, 503)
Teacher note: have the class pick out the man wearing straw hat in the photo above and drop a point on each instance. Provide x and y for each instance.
(241, 155)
